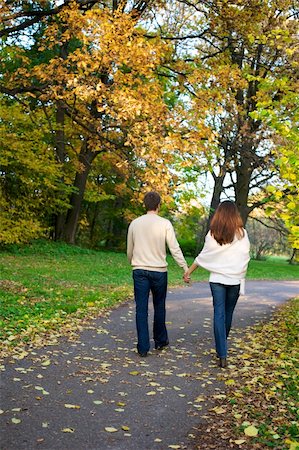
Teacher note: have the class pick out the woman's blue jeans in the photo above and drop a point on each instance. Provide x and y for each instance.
(146, 281)
(225, 298)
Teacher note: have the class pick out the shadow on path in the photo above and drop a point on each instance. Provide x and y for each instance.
(63, 397)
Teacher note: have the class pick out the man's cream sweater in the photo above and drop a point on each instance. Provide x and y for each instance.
(148, 236)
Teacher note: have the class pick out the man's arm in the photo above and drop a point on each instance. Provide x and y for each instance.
(174, 247)
(130, 244)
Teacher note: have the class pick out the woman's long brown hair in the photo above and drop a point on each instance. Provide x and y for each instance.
(226, 223)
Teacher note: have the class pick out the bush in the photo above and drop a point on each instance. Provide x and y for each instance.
(189, 247)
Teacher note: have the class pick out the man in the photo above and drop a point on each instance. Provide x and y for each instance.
(148, 236)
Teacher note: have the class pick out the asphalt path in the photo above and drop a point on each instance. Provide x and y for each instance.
(96, 393)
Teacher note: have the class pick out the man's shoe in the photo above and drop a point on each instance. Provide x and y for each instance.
(161, 346)
(142, 354)
(222, 363)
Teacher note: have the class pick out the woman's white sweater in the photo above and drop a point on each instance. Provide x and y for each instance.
(226, 263)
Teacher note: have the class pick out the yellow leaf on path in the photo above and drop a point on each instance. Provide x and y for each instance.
(125, 428)
(46, 363)
(67, 405)
(174, 446)
(199, 399)
(230, 382)
(97, 402)
(134, 372)
(68, 430)
(251, 431)
(239, 441)
(14, 420)
(151, 393)
(111, 429)
(158, 440)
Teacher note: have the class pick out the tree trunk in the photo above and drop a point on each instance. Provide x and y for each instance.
(59, 218)
(217, 191)
(292, 260)
(242, 185)
(85, 158)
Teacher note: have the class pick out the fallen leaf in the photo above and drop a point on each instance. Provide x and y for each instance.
(251, 431)
(46, 363)
(240, 441)
(68, 430)
(111, 429)
(219, 410)
(230, 382)
(15, 420)
(125, 428)
(67, 405)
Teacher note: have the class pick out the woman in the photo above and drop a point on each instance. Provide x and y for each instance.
(226, 256)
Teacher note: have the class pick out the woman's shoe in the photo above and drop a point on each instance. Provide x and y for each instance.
(222, 363)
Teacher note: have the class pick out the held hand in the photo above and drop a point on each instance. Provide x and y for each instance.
(186, 277)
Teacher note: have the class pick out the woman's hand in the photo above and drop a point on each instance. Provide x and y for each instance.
(187, 274)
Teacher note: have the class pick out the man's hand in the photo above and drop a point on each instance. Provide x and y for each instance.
(186, 277)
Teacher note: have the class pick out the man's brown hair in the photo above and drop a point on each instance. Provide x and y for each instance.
(152, 200)
(226, 223)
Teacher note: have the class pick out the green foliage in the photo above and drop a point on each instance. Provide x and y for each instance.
(30, 176)
(189, 247)
(282, 116)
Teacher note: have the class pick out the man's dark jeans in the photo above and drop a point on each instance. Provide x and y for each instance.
(225, 298)
(144, 282)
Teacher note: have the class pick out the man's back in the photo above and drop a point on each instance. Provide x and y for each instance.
(148, 236)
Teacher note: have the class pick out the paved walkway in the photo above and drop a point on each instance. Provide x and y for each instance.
(73, 395)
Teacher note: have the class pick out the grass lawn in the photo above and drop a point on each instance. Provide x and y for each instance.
(47, 285)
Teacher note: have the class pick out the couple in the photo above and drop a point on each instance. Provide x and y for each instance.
(225, 254)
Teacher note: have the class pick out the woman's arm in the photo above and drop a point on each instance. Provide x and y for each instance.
(187, 275)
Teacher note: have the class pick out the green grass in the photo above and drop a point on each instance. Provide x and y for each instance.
(45, 284)
(272, 269)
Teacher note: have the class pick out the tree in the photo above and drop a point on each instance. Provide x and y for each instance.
(91, 69)
(282, 116)
(233, 48)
